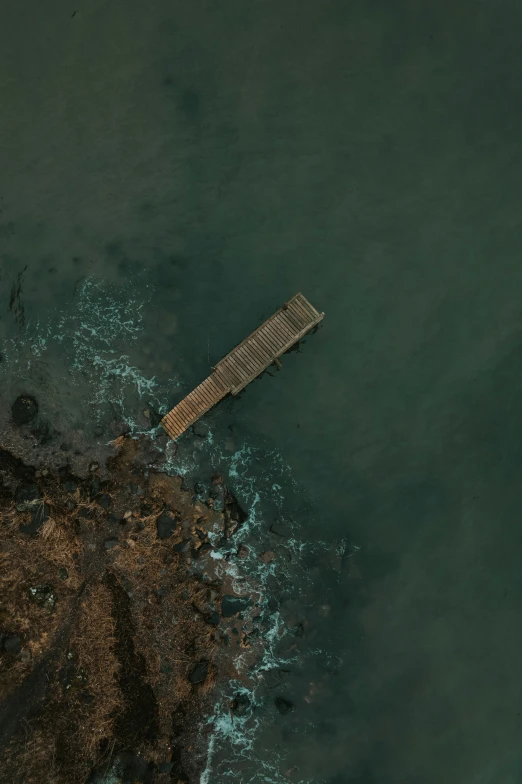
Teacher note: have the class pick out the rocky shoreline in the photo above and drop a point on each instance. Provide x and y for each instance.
(116, 621)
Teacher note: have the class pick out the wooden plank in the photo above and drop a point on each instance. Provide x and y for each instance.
(314, 313)
(174, 417)
(232, 370)
(295, 317)
(284, 326)
(226, 377)
(173, 420)
(248, 360)
(206, 397)
(237, 366)
(257, 349)
(275, 336)
(299, 312)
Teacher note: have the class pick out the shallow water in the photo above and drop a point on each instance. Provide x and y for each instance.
(170, 173)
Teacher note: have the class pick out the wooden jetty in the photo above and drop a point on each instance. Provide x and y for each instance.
(259, 350)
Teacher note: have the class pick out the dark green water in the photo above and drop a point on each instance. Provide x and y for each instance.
(210, 159)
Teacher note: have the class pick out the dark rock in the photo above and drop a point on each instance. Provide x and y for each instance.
(112, 519)
(69, 486)
(95, 486)
(26, 496)
(119, 428)
(206, 547)
(44, 432)
(242, 551)
(199, 488)
(234, 515)
(24, 409)
(43, 595)
(240, 704)
(199, 672)
(64, 447)
(217, 479)
(38, 518)
(267, 557)
(213, 619)
(12, 644)
(63, 574)
(166, 524)
(232, 605)
(165, 767)
(109, 544)
(146, 510)
(183, 547)
(283, 706)
(86, 513)
(94, 467)
(15, 466)
(154, 417)
(104, 500)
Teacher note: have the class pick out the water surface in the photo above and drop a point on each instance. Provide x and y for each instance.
(204, 162)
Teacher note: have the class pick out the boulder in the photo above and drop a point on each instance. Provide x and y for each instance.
(166, 524)
(12, 644)
(199, 673)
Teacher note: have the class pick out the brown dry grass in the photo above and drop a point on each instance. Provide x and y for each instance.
(93, 643)
(27, 562)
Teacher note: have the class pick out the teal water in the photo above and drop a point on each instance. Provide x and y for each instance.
(169, 174)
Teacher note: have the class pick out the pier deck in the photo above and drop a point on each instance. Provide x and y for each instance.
(246, 361)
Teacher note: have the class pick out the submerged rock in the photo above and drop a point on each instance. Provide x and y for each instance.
(232, 605)
(24, 409)
(283, 705)
(44, 432)
(240, 704)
